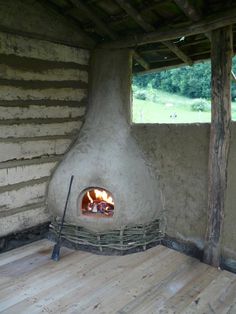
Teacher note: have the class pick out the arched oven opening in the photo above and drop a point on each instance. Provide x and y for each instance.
(97, 202)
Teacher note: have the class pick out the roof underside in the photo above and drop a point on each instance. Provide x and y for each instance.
(122, 23)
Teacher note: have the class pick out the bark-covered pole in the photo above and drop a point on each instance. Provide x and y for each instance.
(221, 61)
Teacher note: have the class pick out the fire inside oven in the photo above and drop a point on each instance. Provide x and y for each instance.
(97, 202)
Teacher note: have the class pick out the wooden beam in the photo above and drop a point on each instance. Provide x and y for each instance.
(159, 69)
(189, 10)
(154, 68)
(178, 52)
(94, 18)
(131, 11)
(104, 29)
(119, 18)
(233, 76)
(217, 20)
(165, 49)
(221, 56)
(141, 61)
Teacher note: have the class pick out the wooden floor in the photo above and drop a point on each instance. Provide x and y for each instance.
(159, 280)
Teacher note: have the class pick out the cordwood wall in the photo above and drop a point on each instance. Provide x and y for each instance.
(43, 96)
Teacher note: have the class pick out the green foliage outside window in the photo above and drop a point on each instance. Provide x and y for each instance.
(192, 82)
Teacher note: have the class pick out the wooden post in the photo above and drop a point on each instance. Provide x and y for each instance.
(221, 60)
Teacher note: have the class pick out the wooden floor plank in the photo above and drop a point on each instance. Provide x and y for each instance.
(134, 277)
(41, 271)
(225, 299)
(159, 280)
(143, 300)
(171, 287)
(16, 254)
(190, 291)
(59, 283)
(135, 283)
(204, 301)
(231, 309)
(101, 282)
(44, 281)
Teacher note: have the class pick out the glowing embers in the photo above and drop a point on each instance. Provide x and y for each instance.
(97, 202)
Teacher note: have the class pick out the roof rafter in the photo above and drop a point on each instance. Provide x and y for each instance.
(178, 52)
(141, 61)
(188, 10)
(166, 67)
(211, 22)
(104, 29)
(191, 12)
(131, 11)
(120, 18)
(93, 17)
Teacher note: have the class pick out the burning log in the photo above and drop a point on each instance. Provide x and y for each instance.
(98, 202)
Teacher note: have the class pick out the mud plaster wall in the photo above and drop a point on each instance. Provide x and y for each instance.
(180, 152)
(43, 92)
(106, 155)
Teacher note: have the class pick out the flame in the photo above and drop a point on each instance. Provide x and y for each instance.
(100, 195)
(89, 197)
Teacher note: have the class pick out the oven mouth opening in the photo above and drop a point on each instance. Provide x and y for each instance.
(97, 202)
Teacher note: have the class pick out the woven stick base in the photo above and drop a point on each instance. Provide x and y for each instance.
(126, 240)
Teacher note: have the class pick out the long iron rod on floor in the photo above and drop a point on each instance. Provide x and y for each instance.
(56, 250)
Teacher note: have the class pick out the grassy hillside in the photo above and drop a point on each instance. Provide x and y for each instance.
(163, 107)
